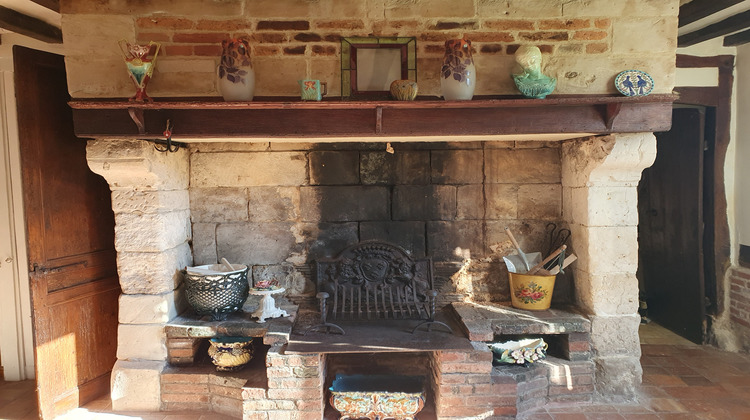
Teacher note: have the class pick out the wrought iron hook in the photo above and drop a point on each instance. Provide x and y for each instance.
(168, 145)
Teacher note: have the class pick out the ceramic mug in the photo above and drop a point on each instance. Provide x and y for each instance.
(312, 90)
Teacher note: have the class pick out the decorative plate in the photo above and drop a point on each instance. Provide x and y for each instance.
(634, 83)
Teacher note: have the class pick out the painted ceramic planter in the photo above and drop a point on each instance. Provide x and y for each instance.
(230, 353)
(236, 74)
(531, 292)
(140, 61)
(377, 396)
(458, 75)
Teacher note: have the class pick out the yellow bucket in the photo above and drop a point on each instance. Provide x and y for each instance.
(531, 292)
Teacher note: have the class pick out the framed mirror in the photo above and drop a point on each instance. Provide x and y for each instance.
(370, 64)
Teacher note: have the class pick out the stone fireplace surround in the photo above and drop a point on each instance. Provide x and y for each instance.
(154, 196)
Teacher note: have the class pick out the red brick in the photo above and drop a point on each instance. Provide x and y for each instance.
(309, 405)
(223, 25)
(507, 25)
(182, 378)
(603, 23)
(478, 379)
(451, 356)
(590, 35)
(185, 406)
(340, 24)
(461, 411)
(564, 24)
(226, 391)
(269, 38)
(324, 50)
(294, 383)
(579, 346)
(200, 37)
(307, 37)
(279, 372)
(177, 50)
(453, 379)
(509, 410)
(262, 50)
(490, 37)
(181, 353)
(207, 50)
(187, 398)
(403, 24)
(284, 25)
(184, 388)
(294, 394)
(298, 50)
(164, 23)
(146, 37)
(575, 389)
(742, 274)
(491, 49)
(449, 25)
(504, 389)
(544, 36)
(253, 393)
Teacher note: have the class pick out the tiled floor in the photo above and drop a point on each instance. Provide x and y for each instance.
(681, 380)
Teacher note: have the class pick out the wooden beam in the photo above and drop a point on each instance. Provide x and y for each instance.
(53, 5)
(735, 23)
(739, 38)
(29, 26)
(698, 9)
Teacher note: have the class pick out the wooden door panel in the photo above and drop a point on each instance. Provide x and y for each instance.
(70, 241)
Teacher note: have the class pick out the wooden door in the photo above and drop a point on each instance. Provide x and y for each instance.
(70, 233)
(671, 229)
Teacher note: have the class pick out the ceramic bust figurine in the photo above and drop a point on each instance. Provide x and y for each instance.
(532, 83)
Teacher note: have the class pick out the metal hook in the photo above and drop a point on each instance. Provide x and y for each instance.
(169, 146)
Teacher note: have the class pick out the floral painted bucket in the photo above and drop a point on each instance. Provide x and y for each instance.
(531, 292)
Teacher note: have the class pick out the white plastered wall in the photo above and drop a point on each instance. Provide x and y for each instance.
(16, 334)
(742, 150)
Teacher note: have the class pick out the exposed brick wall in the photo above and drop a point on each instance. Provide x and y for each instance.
(739, 298)
(585, 42)
(277, 210)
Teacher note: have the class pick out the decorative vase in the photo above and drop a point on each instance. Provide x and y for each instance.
(404, 90)
(236, 74)
(458, 75)
(531, 82)
(230, 353)
(141, 63)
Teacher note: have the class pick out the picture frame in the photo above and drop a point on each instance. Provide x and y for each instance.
(370, 64)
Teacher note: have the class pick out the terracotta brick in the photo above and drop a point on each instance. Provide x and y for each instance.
(511, 49)
(324, 50)
(223, 25)
(185, 406)
(207, 50)
(269, 38)
(184, 398)
(283, 25)
(444, 25)
(511, 24)
(308, 37)
(178, 50)
(597, 48)
(200, 37)
(253, 393)
(403, 24)
(490, 37)
(564, 24)
(434, 49)
(504, 389)
(603, 23)
(309, 405)
(478, 379)
(579, 346)
(146, 37)
(180, 352)
(184, 378)
(467, 367)
(452, 379)
(508, 411)
(226, 391)
(450, 356)
(294, 383)
(164, 23)
(182, 343)
(575, 389)
(544, 36)
(279, 372)
(184, 388)
(332, 38)
(340, 24)
(546, 48)
(294, 394)
(491, 49)
(590, 35)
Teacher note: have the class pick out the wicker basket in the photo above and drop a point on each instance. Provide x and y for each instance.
(217, 295)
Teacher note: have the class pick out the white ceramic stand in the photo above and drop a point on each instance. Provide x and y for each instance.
(267, 308)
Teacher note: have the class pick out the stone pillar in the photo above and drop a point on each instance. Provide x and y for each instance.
(152, 228)
(600, 177)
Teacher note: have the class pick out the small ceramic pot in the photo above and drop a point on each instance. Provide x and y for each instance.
(231, 353)
(404, 90)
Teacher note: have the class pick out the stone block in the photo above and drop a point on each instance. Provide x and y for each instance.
(424, 202)
(261, 146)
(147, 309)
(629, 35)
(612, 160)
(618, 379)
(408, 235)
(137, 201)
(182, 8)
(327, 68)
(531, 234)
(151, 232)
(494, 64)
(616, 336)
(288, 277)
(204, 244)
(109, 28)
(520, 8)
(185, 83)
(396, 9)
(272, 9)
(457, 240)
(456, 166)
(255, 243)
(603, 250)
(273, 204)
(278, 76)
(141, 342)
(616, 9)
(326, 240)
(529, 166)
(601, 206)
(152, 272)
(248, 169)
(218, 205)
(334, 167)
(470, 202)
(607, 294)
(136, 385)
(540, 201)
(403, 167)
(136, 164)
(502, 201)
(344, 203)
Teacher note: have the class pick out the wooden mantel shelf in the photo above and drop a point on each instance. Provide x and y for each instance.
(431, 119)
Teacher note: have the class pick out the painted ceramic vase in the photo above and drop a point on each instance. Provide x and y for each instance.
(230, 353)
(140, 61)
(458, 75)
(236, 74)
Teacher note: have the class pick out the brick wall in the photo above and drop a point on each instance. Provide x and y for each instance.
(585, 42)
(279, 207)
(739, 303)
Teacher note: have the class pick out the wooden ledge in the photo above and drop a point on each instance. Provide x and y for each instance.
(426, 119)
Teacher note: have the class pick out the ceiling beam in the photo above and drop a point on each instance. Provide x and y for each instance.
(739, 38)
(29, 26)
(698, 9)
(53, 5)
(735, 23)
